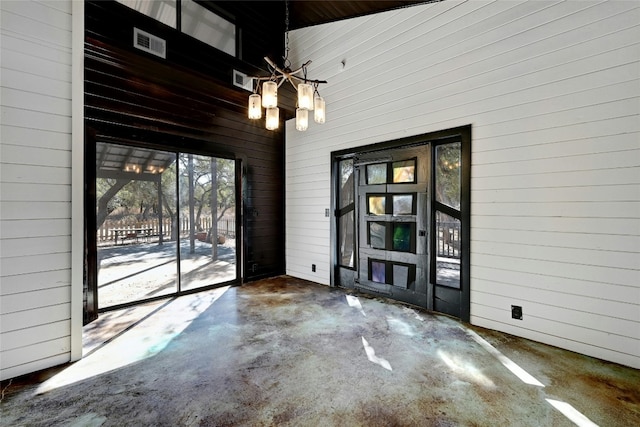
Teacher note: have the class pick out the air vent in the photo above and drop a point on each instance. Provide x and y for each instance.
(242, 80)
(149, 43)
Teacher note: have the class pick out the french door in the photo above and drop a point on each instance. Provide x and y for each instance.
(401, 224)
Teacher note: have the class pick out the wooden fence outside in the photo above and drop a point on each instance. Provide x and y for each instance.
(107, 233)
(448, 236)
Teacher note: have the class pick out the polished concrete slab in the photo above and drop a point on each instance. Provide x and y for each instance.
(287, 352)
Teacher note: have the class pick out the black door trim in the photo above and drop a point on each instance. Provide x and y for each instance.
(458, 134)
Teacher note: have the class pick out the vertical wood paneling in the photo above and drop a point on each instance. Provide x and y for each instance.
(552, 91)
(35, 249)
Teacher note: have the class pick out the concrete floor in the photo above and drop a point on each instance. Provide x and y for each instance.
(284, 351)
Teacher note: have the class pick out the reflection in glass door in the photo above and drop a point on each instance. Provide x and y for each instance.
(136, 218)
(207, 206)
(149, 203)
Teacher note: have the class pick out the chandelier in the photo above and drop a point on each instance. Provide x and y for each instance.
(308, 98)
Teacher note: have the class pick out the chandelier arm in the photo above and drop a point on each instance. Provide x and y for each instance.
(290, 79)
(284, 71)
(274, 66)
(315, 82)
(302, 68)
(260, 78)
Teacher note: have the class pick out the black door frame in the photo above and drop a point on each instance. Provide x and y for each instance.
(140, 139)
(460, 134)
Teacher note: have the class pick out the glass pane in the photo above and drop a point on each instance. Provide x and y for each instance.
(404, 171)
(402, 236)
(377, 235)
(401, 276)
(135, 213)
(402, 204)
(206, 26)
(346, 239)
(448, 255)
(346, 183)
(377, 205)
(378, 271)
(160, 10)
(377, 174)
(207, 226)
(448, 166)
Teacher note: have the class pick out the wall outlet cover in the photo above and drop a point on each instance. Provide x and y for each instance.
(516, 312)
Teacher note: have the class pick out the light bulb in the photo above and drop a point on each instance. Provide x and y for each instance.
(273, 119)
(319, 109)
(255, 109)
(269, 94)
(305, 96)
(302, 119)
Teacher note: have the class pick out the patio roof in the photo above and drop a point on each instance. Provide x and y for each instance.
(134, 163)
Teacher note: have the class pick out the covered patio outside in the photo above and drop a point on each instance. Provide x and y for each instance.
(165, 223)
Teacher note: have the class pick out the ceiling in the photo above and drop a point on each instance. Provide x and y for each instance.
(304, 13)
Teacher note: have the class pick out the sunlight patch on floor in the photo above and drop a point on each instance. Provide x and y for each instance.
(572, 413)
(465, 369)
(355, 303)
(371, 355)
(401, 327)
(145, 340)
(508, 363)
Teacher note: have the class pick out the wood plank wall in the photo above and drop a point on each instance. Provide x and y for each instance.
(551, 90)
(186, 102)
(35, 186)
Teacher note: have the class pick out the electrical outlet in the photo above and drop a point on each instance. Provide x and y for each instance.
(313, 268)
(516, 312)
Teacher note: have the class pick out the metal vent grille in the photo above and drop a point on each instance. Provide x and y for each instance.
(149, 43)
(242, 80)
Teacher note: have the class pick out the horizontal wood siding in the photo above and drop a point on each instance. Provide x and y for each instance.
(552, 91)
(35, 186)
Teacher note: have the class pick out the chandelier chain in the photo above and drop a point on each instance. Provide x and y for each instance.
(286, 62)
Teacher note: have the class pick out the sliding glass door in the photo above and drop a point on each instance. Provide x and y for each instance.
(165, 223)
(207, 204)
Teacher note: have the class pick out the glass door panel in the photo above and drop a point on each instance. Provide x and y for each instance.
(135, 214)
(346, 214)
(447, 260)
(207, 226)
(448, 168)
(448, 250)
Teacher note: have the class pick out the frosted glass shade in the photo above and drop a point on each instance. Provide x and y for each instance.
(269, 94)
(302, 119)
(273, 119)
(319, 109)
(305, 96)
(255, 108)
